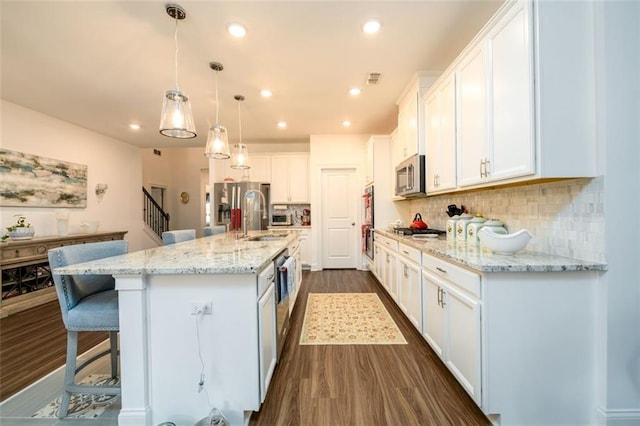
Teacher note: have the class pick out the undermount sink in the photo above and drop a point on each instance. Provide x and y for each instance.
(270, 237)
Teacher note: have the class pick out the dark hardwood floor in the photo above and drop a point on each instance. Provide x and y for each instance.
(362, 384)
(33, 343)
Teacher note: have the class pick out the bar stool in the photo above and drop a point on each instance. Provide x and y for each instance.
(178, 236)
(88, 303)
(213, 230)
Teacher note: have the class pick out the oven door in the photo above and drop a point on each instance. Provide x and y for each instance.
(368, 241)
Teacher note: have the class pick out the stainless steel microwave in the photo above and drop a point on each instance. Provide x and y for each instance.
(410, 177)
(280, 219)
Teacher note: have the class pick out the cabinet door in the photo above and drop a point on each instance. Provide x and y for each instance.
(379, 260)
(279, 179)
(463, 357)
(305, 252)
(260, 170)
(432, 139)
(433, 314)
(267, 339)
(299, 179)
(511, 116)
(447, 146)
(391, 273)
(410, 291)
(471, 118)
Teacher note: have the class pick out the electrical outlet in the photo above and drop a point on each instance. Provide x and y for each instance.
(201, 308)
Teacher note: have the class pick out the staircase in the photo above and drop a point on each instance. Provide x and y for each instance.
(155, 218)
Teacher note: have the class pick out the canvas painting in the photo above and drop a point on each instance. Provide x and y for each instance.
(31, 181)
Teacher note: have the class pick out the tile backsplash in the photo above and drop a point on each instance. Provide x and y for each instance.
(565, 217)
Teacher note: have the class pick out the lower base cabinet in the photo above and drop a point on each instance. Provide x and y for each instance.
(267, 342)
(451, 320)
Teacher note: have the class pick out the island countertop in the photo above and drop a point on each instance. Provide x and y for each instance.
(483, 260)
(216, 254)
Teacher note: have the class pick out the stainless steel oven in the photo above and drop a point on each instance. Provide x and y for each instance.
(367, 240)
(281, 219)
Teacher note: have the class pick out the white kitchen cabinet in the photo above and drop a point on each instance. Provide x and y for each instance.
(290, 179)
(379, 261)
(410, 137)
(495, 104)
(391, 273)
(452, 320)
(410, 284)
(471, 110)
(305, 248)
(293, 250)
(267, 338)
(439, 108)
(260, 170)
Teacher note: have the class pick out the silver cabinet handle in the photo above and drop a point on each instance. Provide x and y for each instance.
(487, 167)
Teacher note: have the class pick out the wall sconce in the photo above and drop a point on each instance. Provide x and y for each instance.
(101, 188)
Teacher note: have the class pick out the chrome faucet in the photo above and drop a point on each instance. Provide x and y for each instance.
(246, 210)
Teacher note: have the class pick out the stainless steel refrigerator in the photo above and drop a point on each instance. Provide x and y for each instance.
(231, 200)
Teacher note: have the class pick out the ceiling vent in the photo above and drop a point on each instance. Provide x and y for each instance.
(373, 78)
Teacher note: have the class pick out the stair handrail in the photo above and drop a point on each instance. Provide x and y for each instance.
(154, 216)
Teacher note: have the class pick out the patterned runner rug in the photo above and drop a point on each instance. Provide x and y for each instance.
(348, 319)
(83, 406)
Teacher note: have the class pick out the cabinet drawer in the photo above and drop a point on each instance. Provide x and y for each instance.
(411, 253)
(387, 242)
(466, 280)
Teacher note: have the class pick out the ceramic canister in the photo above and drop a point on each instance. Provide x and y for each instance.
(472, 229)
(451, 228)
(461, 226)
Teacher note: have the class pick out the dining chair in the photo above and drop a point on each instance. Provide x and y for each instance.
(178, 236)
(213, 230)
(88, 303)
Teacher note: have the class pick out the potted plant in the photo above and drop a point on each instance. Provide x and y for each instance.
(21, 230)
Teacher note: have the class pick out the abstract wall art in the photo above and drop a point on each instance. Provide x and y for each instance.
(28, 180)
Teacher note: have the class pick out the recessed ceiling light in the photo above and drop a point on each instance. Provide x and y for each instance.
(237, 30)
(354, 91)
(266, 93)
(371, 27)
(282, 125)
(134, 126)
(346, 123)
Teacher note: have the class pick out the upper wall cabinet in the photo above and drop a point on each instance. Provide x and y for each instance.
(410, 139)
(439, 109)
(525, 90)
(290, 179)
(260, 170)
(494, 96)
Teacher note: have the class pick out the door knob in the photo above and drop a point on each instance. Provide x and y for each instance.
(353, 224)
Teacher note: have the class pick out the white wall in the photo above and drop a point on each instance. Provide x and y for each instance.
(109, 161)
(618, 114)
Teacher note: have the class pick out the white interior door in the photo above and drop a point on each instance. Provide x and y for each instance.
(340, 198)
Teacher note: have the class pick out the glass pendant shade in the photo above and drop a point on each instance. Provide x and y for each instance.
(240, 158)
(217, 143)
(176, 120)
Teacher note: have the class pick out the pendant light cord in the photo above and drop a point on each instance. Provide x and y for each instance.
(239, 124)
(175, 38)
(217, 104)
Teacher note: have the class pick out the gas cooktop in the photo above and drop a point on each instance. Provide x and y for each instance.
(412, 231)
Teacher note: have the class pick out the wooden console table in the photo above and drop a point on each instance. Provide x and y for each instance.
(26, 276)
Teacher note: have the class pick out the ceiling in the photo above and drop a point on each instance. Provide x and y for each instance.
(105, 64)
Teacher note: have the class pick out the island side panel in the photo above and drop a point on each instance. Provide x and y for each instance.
(228, 345)
(539, 347)
(132, 301)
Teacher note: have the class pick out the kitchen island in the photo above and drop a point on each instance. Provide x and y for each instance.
(167, 350)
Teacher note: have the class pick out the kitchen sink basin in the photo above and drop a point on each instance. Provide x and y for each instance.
(270, 237)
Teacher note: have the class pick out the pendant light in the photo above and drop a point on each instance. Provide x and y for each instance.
(176, 120)
(217, 141)
(240, 158)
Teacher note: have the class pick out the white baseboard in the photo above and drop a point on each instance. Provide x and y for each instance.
(619, 417)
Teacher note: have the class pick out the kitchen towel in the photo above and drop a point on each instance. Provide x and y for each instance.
(290, 268)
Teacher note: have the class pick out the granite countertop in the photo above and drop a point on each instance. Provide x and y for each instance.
(216, 254)
(483, 260)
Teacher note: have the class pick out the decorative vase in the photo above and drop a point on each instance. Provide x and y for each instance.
(23, 233)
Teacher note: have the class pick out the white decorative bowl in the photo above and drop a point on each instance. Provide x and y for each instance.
(504, 243)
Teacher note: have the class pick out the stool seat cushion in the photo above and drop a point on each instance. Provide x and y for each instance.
(98, 312)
